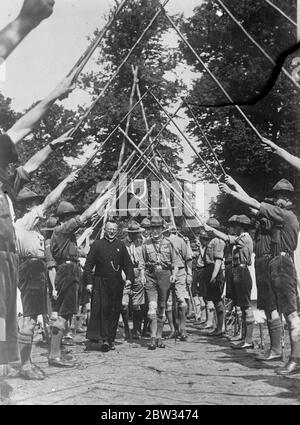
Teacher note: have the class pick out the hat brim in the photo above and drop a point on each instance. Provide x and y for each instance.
(237, 223)
(38, 198)
(67, 213)
(135, 231)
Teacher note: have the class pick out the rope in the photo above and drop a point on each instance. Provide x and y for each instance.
(256, 43)
(84, 58)
(205, 138)
(212, 75)
(185, 138)
(281, 12)
(86, 114)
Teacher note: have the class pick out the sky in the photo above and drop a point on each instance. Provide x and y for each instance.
(50, 51)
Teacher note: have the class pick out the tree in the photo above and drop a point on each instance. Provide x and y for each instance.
(245, 73)
(153, 59)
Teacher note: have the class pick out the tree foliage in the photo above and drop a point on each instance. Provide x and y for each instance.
(245, 73)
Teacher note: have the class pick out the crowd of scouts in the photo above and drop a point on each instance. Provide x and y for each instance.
(154, 274)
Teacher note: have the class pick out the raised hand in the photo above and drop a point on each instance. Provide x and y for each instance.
(224, 188)
(62, 140)
(72, 177)
(34, 12)
(65, 87)
(268, 145)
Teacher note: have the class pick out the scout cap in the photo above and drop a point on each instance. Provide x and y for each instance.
(157, 221)
(145, 223)
(134, 227)
(26, 195)
(243, 219)
(213, 222)
(65, 208)
(50, 224)
(284, 186)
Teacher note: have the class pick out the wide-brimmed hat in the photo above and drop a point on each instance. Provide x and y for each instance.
(243, 220)
(157, 221)
(213, 222)
(283, 186)
(146, 223)
(134, 227)
(65, 208)
(232, 219)
(50, 224)
(26, 195)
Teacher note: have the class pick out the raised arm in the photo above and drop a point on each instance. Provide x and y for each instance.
(231, 182)
(97, 205)
(291, 159)
(244, 198)
(217, 233)
(35, 162)
(31, 15)
(54, 196)
(26, 124)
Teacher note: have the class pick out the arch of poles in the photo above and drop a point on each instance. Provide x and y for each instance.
(147, 159)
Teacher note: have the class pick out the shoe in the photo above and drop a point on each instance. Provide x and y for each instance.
(183, 337)
(33, 373)
(80, 331)
(105, 347)
(136, 335)
(171, 335)
(215, 333)
(112, 346)
(152, 345)
(235, 338)
(67, 342)
(160, 343)
(61, 362)
(290, 368)
(242, 346)
(11, 372)
(92, 346)
(268, 357)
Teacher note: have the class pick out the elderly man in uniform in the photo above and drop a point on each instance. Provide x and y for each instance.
(136, 292)
(183, 279)
(283, 275)
(110, 258)
(214, 279)
(159, 263)
(33, 270)
(242, 257)
(65, 252)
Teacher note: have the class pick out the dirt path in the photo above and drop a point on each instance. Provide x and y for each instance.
(200, 371)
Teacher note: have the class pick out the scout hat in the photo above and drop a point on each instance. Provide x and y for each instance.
(50, 224)
(156, 221)
(134, 227)
(213, 222)
(145, 223)
(283, 186)
(232, 219)
(242, 219)
(26, 195)
(65, 208)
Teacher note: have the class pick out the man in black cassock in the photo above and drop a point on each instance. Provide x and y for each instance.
(110, 257)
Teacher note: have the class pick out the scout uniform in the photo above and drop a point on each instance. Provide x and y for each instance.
(282, 270)
(159, 258)
(266, 299)
(183, 257)
(32, 278)
(136, 293)
(242, 282)
(214, 289)
(65, 252)
(110, 258)
(8, 260)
